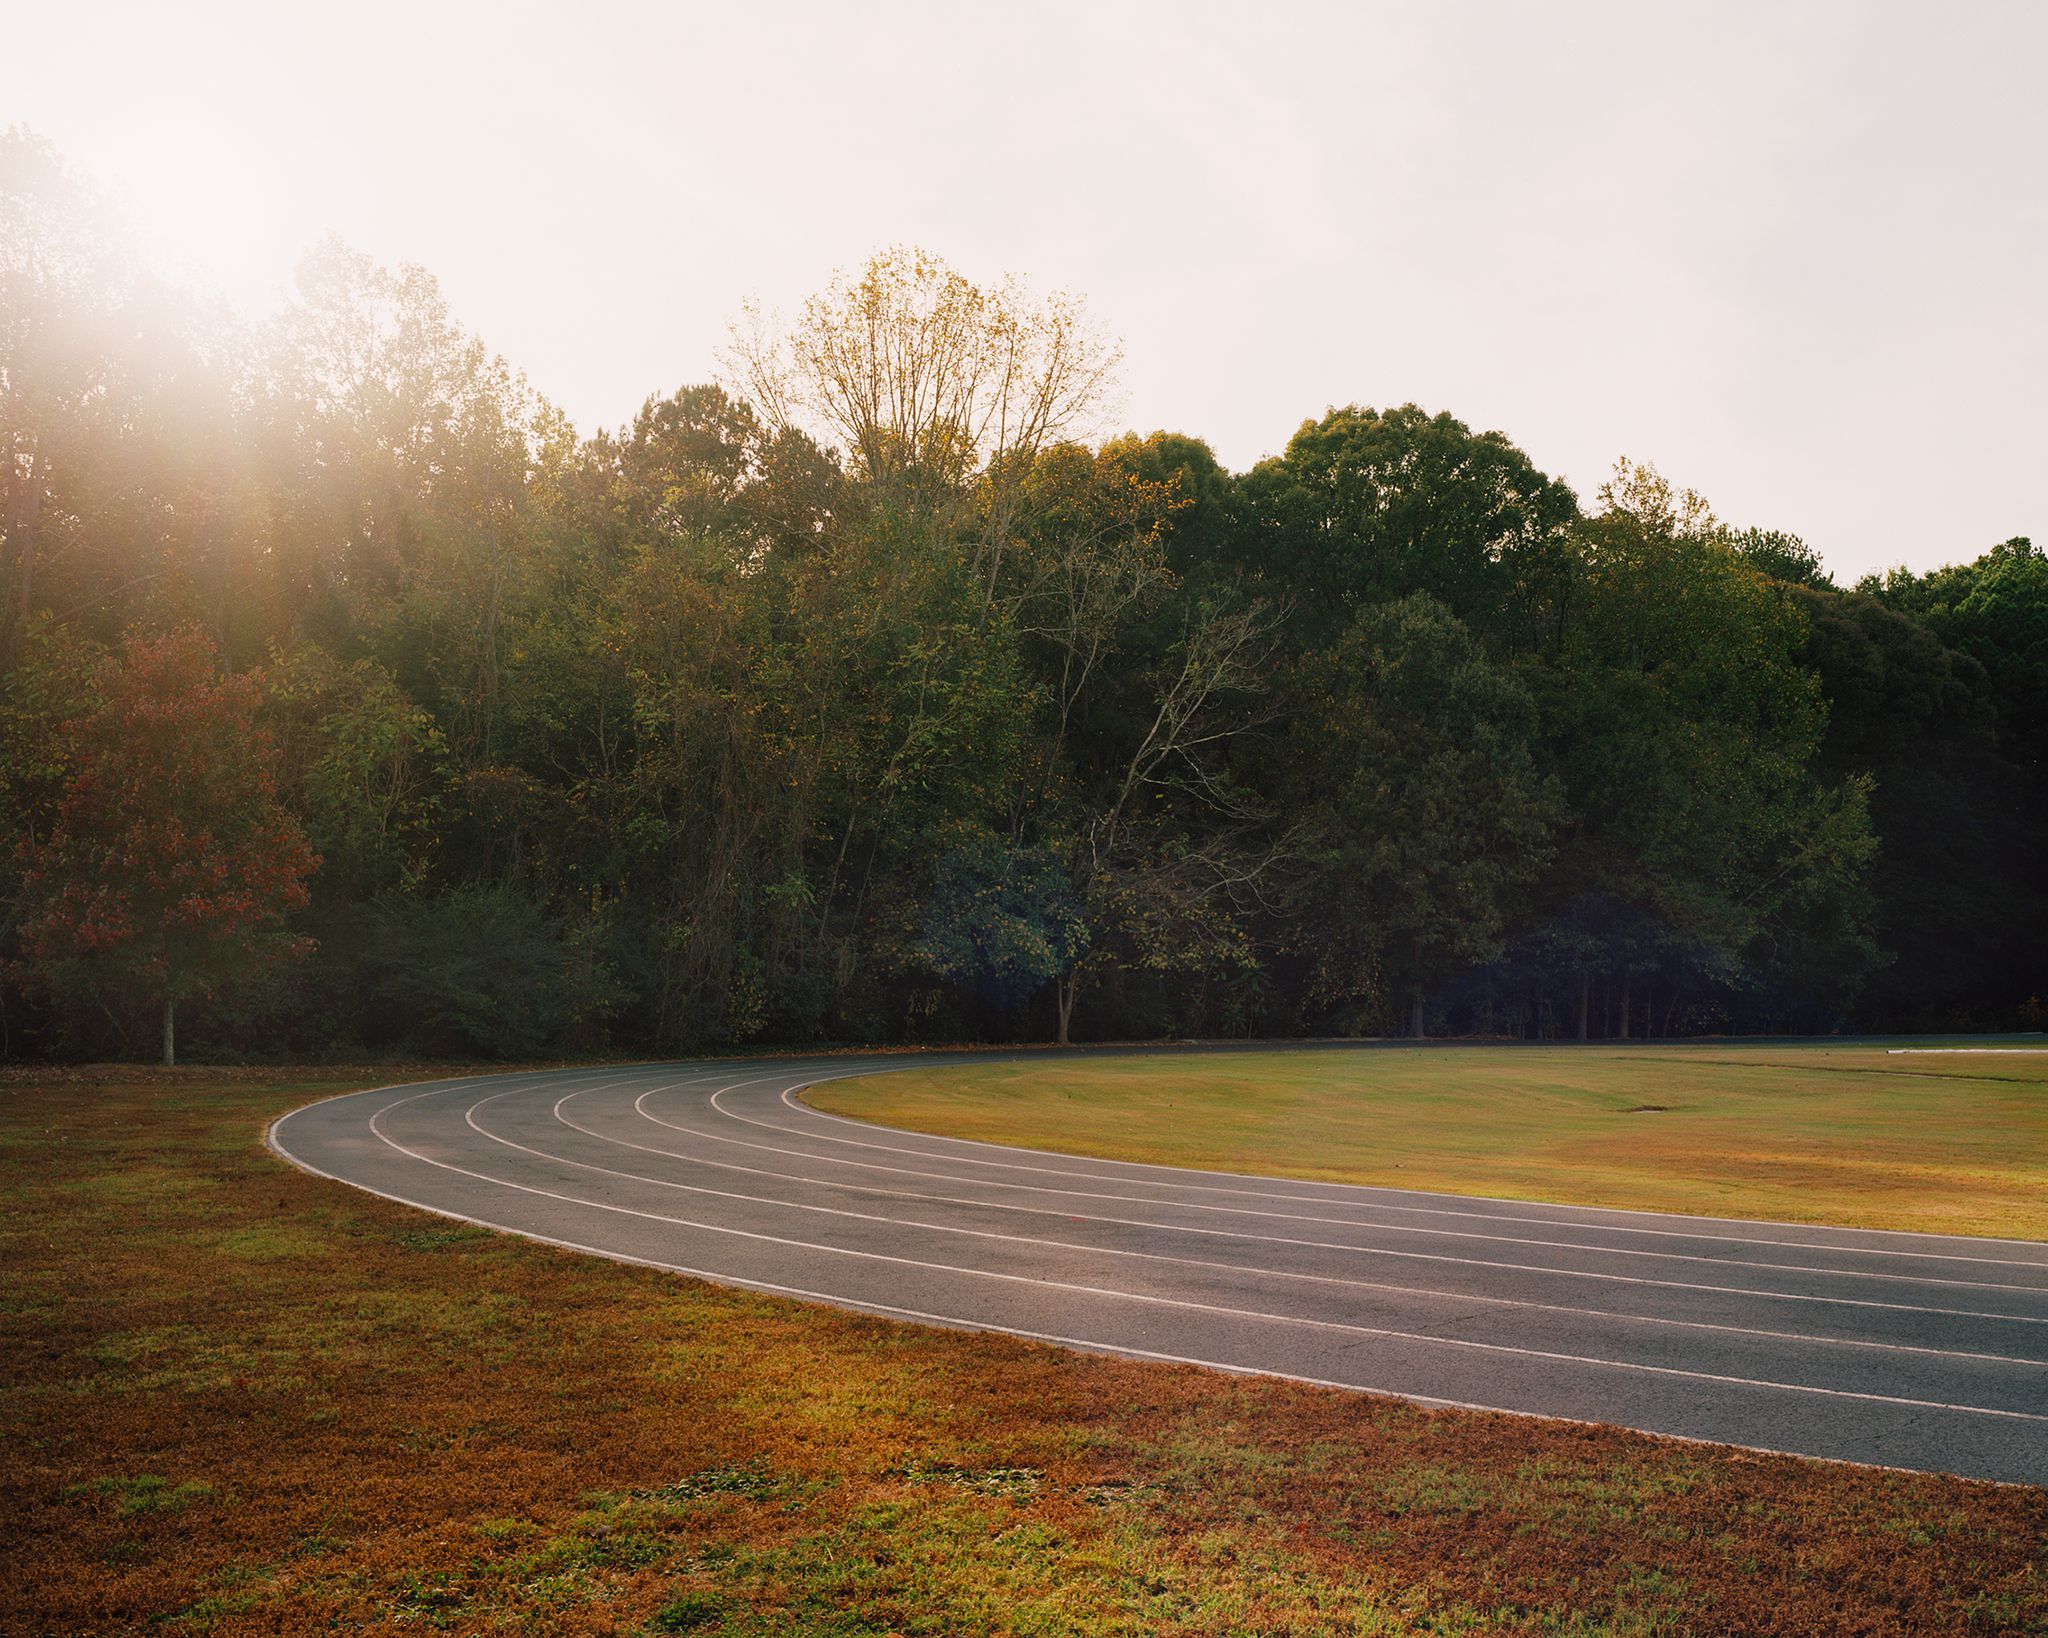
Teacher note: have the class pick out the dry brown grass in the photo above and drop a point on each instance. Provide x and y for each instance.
(1820, 1131)
(237, 1399)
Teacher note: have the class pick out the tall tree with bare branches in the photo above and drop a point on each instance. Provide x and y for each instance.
(939, 392)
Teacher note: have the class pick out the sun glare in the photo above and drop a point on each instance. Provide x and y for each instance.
(202, 215)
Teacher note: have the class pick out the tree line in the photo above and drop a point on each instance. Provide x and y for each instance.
(352, 701)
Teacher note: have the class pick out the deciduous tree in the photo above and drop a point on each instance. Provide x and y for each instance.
(1412, 756)
(172, 867)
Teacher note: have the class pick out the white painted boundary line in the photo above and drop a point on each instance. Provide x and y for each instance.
(791, 1099)
(1266, 1239)
(273, 1141)
(1457, 1234)
(1377, 1251)
(904, 1062)
(1184, 1304)
(795, 1101)
(1112, 1350)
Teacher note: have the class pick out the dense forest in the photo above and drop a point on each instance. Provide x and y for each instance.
(352, 699)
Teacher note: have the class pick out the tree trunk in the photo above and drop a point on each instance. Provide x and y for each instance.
(1415, 1016)
(170, 1032)
(1585, 1001)
(1624, 1007)
(1063, 993)
(21, 535)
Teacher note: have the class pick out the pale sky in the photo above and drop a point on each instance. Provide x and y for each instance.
(1797, 255)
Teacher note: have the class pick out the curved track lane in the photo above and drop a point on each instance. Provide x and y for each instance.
(1908, 1350)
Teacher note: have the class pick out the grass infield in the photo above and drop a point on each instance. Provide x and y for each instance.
(1950, 1143)
(235, 1398)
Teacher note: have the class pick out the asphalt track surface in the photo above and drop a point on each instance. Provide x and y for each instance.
(1906, 1350)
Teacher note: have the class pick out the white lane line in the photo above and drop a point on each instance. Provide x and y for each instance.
(1253, 1270)
(1117, 1350)
(424, 1089)
(1460, 1260)
(445, 1083)
(1092, 1345)
(1445, 1233)
(1343, 1222)
(872, 1067)
(1189, 1305)
(789, 1100)
(1116, 1170)
(876, 1067)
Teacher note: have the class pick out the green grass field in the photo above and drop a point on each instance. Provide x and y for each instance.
(1847, 1133)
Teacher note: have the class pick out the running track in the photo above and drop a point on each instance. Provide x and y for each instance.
(1907, 1350)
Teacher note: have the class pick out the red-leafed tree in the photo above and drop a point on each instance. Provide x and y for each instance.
(172, 866)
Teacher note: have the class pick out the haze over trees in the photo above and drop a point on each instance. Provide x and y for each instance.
(875, 694)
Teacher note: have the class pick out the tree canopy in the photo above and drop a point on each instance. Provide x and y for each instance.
(171, 866)
(883, 691)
